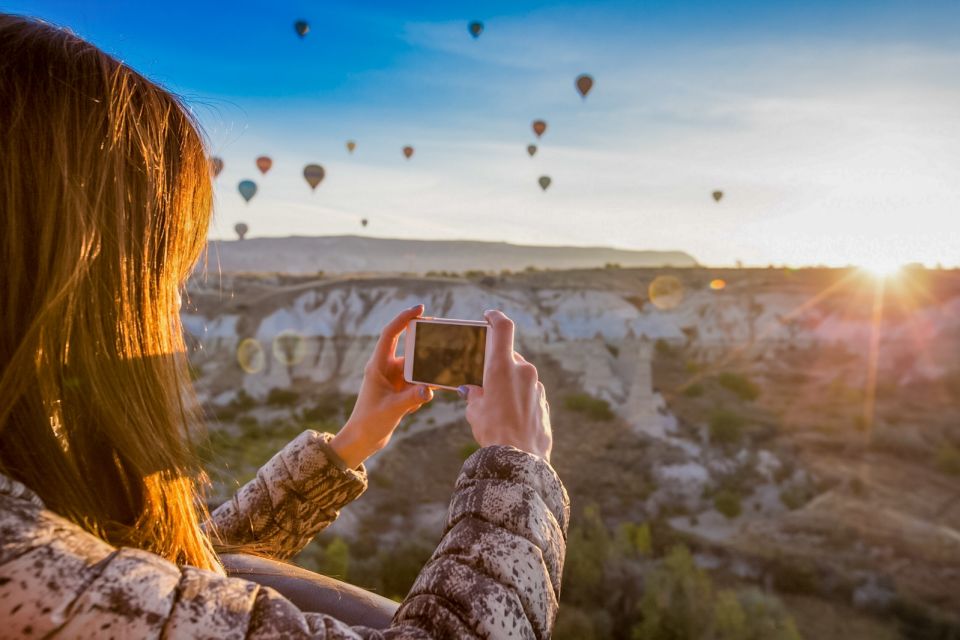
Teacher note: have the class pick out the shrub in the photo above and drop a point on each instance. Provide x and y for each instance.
(633, 539)
(793, 497)
(677, 602)
(335, 561)
(574, 623)
(594, 408)
(693, 391)
(948, 459)
(243, 401)
(728, 503)
(468, 450)
(740, 385)
(726, 427)
(282, 397)
(662, 347)
(681, 603)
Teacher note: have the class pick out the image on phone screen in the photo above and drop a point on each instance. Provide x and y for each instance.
(449, 354)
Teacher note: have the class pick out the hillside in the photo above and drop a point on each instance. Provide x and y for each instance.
(732, 420)
(350, 254)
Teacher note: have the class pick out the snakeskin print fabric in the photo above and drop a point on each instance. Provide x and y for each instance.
(495, 574)
(294, 496)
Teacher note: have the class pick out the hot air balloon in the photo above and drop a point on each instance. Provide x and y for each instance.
(717, 196)
(351, 145)
(584, 83)
(539, 126)
(475, 28)
(408, 152)
(313, 174)
(264, 163)
(531, 150)
(216, 166)
(247, 188)
(363, 222)
(241, 228)
(301, 27)
(544, 182)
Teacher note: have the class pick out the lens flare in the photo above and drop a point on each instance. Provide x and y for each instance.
(250, 356)
(718, 284)
(289, 348)
(666, 292)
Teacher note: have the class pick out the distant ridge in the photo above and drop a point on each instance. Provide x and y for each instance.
(350, 254)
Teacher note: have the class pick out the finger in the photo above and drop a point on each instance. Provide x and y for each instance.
(518, 358)
(543, 395)
(387, 343)
(470, 392)
(501, 340)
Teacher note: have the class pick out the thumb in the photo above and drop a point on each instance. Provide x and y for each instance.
(412, 397)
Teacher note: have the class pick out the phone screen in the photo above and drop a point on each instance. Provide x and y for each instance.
(449, 354)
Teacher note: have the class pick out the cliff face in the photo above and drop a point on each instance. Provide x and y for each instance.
(601, 335)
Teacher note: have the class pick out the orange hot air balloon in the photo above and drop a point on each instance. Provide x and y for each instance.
(351, 145)
(544, 182)
(539, 126)
(313, 174)
(408, 152)
(216, 166)
(584, 84)
(531, 150)
(264, 163)
(717, 196)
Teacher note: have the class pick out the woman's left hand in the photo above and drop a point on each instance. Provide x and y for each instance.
(384, 399)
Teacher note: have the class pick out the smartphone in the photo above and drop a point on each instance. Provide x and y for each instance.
(446, 353)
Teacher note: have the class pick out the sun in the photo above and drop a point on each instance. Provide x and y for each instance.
(881, 266)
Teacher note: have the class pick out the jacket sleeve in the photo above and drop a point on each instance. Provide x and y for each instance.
(496, 574)
(294, 496)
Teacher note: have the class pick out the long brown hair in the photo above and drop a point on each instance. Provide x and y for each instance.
(105, 201)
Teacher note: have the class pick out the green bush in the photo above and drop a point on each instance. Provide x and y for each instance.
(740, 385)
(594, 408)
(693, 391)
(662, 347)
(574, 623)
(726, 427)
(948, 459)
(335, 560)
(282, 397)
(634, 540)
(468, 450)
(681, 603)
(728, 503)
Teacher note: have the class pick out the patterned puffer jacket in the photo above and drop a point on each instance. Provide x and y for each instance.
(496, 573)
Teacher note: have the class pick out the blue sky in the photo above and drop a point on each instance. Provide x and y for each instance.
(832, 127)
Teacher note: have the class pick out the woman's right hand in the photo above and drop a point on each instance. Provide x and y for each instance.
(511, 407)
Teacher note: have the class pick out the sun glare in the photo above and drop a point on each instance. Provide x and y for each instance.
(881, 267)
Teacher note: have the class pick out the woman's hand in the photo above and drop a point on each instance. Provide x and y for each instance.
(511, 407)
(384, 399)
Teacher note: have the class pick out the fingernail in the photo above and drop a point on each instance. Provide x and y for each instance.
(463, 391)
(424, 392)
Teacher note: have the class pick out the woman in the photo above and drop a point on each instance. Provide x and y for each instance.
(105, 200)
